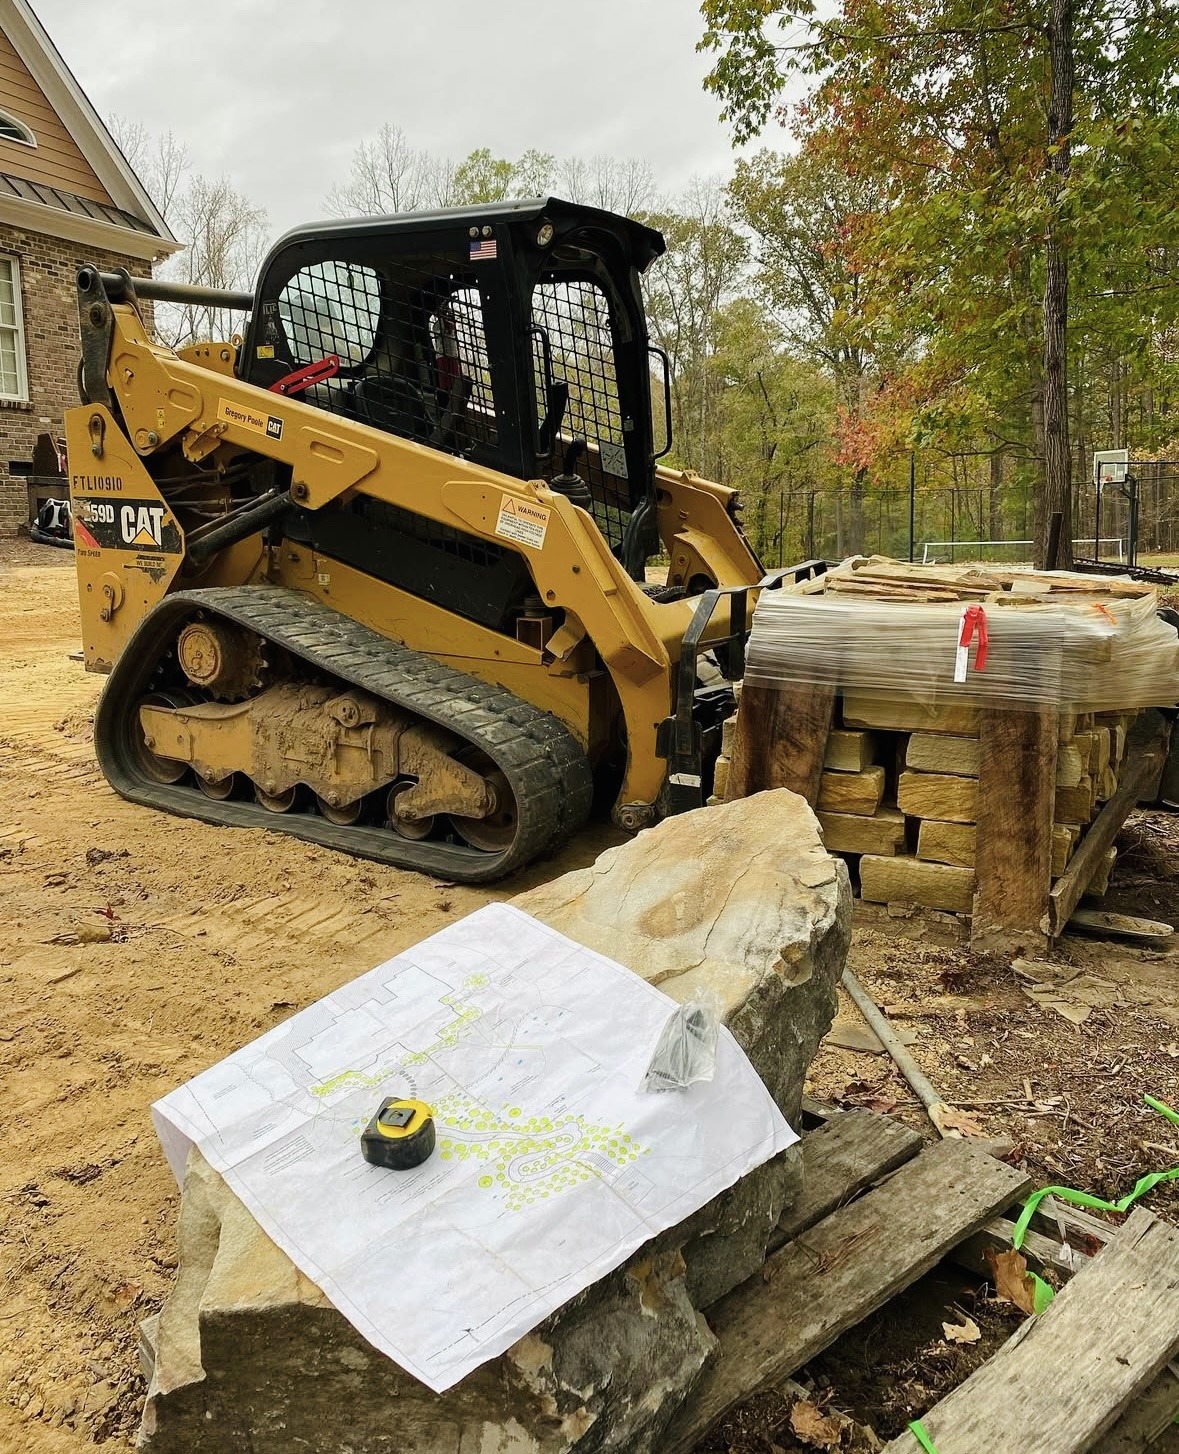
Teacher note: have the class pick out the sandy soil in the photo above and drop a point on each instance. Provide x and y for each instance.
(138, 948)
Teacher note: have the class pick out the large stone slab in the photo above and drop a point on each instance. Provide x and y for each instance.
(739, 901)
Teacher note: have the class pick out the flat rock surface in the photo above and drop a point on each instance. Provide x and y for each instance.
(739, 903)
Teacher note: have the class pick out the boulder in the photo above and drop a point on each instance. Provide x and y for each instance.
(739, 903)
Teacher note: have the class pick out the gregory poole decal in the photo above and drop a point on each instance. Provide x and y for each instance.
(246, 418)
(522, 521)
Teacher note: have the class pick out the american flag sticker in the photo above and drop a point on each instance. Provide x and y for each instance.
(483, 250)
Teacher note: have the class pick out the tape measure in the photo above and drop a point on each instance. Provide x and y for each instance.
(400, 1135)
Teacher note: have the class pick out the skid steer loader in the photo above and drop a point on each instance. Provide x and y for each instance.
(374, 574)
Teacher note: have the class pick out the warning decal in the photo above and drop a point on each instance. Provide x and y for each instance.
(522, 521)
(246, 418)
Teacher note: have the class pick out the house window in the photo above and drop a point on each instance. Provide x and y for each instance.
(13, 130)
(14, 382)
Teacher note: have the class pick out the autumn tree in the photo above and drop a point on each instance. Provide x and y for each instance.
(686, 290)
(1005, 135)
(225, 234)
(808, 220)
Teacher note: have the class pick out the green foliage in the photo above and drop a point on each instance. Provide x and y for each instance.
(939, 108)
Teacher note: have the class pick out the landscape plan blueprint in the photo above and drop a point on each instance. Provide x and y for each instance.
(551, 1166)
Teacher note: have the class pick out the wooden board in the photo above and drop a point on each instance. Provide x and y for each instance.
(883, 832)
(1063, 1378)
(1013, 854)
(1121, 926)
(1075, 805)
(912, 881)
(780, 740)
(841, 1270)
(840, 1160)
(852, 792)
(938, 795)
(1043, 1254)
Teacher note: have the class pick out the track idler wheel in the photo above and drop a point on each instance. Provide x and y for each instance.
(496, 830)
(154, 765)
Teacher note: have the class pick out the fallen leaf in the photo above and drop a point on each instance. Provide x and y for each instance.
(967, 1331)
(882, 1105)
(1013, 1283)
(812, 1428)
(962, 1122)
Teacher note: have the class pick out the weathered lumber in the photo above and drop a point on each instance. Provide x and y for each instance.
(1071, 766)
(844, 1268)
(912, 881)
(942, 752)
(1013, 854)
(1064, 840)
(840, 1160)
(1042, 1253)
(852, 792)
(938, 795)
(780, 740)
(883, 832)
(1064, 1376)
(1146, 749)
(1144, 1418)
(897, 714)
(1121, 926)
(848, 751)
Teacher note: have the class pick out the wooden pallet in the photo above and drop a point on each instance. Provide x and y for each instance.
(844, 1252)
(879, 1208)
(1061, 1382)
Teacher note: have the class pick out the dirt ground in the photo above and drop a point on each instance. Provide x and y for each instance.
(138, 949)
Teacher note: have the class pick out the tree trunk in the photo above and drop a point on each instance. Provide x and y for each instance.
(995, 497)
(1056, 495)
(855, 531)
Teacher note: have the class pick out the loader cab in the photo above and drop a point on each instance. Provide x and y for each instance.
(512, 334)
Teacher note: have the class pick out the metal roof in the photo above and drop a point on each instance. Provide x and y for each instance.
(68, 202)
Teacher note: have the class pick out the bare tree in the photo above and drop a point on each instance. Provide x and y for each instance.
(224, 232)
(160, 162)
(390, 175)
(619, 184)
(227, 238)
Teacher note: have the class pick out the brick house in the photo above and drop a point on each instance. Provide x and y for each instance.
(67, 197)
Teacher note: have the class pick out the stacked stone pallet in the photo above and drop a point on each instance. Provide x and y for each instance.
(899, 791)
(987, 798)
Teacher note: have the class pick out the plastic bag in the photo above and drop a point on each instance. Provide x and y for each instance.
(686, 1049)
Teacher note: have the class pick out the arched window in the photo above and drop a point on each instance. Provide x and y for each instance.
(13, 130)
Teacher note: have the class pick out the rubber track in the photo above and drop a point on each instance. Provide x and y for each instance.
(544, 764)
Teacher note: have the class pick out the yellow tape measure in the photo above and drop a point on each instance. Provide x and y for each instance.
(400, 1135)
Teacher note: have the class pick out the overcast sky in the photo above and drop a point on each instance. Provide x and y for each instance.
(277, 93)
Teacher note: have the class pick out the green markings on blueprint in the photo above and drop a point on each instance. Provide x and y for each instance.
(529, 1158)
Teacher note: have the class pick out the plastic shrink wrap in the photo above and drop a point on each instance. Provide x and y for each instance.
(1011, 640)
